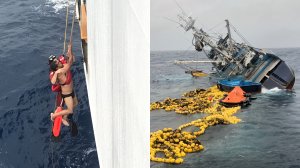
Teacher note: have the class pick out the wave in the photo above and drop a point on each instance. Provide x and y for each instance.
(273, 91)
(89, 150)
(278, 92)
(58, 5)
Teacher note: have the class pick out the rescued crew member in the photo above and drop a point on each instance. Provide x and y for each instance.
(63, 77)
(54, 87)
(52, 58)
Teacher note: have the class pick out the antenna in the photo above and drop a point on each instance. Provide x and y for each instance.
(180, 7)
(186, 22)
(229, 35)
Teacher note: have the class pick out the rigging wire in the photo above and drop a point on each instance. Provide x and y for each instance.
(240, 35)
(217, 25)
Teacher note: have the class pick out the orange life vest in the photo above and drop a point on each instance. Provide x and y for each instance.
(56, 87)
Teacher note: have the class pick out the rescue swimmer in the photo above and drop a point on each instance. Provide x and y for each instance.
(61, 79)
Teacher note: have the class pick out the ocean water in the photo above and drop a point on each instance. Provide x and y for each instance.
(31, 30)
(267, 137)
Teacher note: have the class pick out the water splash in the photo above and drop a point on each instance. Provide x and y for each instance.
(89, 150)
(273, 91)
(58, 5)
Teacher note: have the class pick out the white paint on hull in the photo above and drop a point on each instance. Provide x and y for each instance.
(118, 81)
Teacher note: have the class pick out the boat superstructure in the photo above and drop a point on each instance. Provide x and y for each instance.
(231, 58)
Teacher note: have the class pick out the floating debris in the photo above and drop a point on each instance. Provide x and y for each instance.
(170, 146)
(196, 73)
(191, 102)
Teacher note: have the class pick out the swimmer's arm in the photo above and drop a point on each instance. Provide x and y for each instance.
(54, 78)
(70, 56)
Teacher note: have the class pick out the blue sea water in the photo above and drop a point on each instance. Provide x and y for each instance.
(267, 137)
(31, 30)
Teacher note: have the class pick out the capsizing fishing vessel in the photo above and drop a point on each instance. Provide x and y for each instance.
(231, 58)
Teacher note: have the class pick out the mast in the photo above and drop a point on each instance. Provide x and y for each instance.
(204, 37)
(187, 22)
(229, 34)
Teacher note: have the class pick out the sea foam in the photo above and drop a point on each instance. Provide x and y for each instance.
(58, 5)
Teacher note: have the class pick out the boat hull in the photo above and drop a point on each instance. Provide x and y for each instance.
(271, 72)
(281, 77)
(248, 87)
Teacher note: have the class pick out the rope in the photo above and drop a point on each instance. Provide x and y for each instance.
(217, 25)
(73, 20)
(71, 35)
(67, 16)
(72, 28)
(66, 27)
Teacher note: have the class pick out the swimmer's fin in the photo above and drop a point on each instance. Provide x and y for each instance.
(57, 123)
(73, 128)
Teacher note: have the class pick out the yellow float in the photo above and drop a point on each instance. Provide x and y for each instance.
(170, 146)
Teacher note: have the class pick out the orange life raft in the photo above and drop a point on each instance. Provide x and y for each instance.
(237, 97)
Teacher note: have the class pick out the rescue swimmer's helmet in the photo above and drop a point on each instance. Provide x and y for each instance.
(51, 58)
(62, 59)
